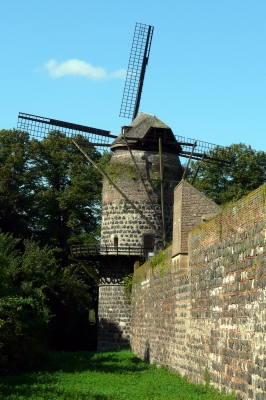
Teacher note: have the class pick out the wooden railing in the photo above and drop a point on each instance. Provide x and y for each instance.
(94, 250)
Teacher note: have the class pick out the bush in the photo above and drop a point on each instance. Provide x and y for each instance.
(40, 304)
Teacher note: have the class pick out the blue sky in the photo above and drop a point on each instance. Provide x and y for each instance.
(206, 76)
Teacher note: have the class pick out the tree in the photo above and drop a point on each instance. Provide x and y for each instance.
(225, 183)
(23, 312)
(41, 304)
(68, 191)
(48, 189)
(50, 193)
(16, 189)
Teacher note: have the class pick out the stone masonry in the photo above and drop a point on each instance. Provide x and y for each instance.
(191, 208)
(119, 219)
(214, 316)
(122, 225)
(114, 318)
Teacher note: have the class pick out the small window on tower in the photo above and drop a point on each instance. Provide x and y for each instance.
(116, 241)
(148, 241)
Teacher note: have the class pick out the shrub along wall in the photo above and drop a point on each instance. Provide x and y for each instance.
(211, 323)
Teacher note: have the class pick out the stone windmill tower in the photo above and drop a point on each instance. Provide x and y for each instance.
(137, 215)
(146, 172)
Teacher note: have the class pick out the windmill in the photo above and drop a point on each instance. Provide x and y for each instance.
(157, 137)
(138, 186)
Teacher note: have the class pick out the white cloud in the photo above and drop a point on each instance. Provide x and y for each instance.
(120, 73)
(82, 68)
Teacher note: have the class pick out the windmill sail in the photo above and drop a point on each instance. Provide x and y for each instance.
(138, 61)
(211, 152)
(40, 127)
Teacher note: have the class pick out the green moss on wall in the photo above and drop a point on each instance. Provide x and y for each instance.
(239, 210)
(141, 273)
(161, 260)
(120, 170)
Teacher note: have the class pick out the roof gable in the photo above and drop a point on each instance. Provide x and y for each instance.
(185, 184)
(148, 127)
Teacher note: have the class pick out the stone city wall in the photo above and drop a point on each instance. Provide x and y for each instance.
(215, 317)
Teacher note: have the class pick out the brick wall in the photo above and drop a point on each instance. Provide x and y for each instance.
(214, 316)
(190, 208)
(234, 219)
(161, 317)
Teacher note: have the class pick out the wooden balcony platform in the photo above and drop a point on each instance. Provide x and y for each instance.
(84, 251)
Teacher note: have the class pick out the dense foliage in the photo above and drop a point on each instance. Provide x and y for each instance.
(32, 283)
(47, 189)
(225, 183)
(49, 198)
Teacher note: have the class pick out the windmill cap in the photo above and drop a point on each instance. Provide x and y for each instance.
(141, 127)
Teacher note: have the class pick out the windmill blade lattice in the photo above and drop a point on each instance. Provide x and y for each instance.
(138, 61)
(210, 151)
(40, 127)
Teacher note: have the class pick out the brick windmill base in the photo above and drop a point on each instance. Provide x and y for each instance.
(114, 310)
(114, 314)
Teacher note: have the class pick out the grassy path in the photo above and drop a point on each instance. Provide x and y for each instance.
(102, 376)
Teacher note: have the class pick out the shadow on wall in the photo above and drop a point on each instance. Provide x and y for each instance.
(112, 336)
(147, 352)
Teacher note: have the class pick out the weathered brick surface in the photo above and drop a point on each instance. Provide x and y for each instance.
(119, 218)
(190, 208)
(114, 318)
(231, 221)
(215, 316)
(121, 221)
(160, 319)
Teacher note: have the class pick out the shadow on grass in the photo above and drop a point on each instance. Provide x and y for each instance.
(35, 392)
(44, 383)
(114, 362)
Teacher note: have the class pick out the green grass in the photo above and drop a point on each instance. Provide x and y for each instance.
(102, 376)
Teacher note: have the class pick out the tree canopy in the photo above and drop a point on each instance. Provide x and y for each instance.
(50, 197)
(48, 190)
(16, 187)
(225, 183)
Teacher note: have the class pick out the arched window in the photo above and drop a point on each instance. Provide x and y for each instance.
(116, 241)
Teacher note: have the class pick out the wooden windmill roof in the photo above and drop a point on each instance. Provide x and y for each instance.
(148, 127)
